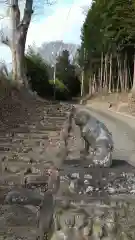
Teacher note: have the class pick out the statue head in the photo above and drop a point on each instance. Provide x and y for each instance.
(81, 117)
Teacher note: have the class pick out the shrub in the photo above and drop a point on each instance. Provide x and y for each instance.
(61, 91)
(38, 75)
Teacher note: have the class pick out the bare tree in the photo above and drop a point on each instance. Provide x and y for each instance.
(133, 86)
(18, 38)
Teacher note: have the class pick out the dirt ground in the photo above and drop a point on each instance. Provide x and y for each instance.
(118, 101)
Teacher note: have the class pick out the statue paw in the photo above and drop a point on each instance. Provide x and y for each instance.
(105, 162)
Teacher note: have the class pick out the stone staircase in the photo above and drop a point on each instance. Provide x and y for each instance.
(29, 128)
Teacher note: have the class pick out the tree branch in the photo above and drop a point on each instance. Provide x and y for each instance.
(15, 12)
(28, 11)
(4, 39)
(50, 3)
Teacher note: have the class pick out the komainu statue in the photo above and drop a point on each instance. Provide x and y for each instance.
(98, 140)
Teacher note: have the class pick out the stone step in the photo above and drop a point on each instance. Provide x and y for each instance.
(18, 232)
(10, 143)
(5, 148)
(46, 128)
(60, 117)
(5, 140)
(32, 135)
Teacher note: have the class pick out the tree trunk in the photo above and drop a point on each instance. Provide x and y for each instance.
(133, 87)
(93, 84)
(99, 81)
(90, 86)
(119, 74)
(18, 39)
(101, 72)
(14, 64)
(105, 74)
(110, 75)
(131, 98)
(130, 78)
(18, 61)
(125, 73)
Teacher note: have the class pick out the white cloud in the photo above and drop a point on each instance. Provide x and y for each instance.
(64, 24)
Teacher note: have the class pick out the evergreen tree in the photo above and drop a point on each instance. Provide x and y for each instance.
(65, 72)
(109, 33)
(38, 74)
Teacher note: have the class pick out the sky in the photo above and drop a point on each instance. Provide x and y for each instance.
(61, 21)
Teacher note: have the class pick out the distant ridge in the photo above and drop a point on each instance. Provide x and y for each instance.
(49, 51)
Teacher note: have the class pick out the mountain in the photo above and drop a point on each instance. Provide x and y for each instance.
(51, 50)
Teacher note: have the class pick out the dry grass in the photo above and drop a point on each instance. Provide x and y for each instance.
(114, 98)
(119, 102)
(6, 83)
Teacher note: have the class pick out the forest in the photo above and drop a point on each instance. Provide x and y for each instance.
(40, 74)
(107, 52)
